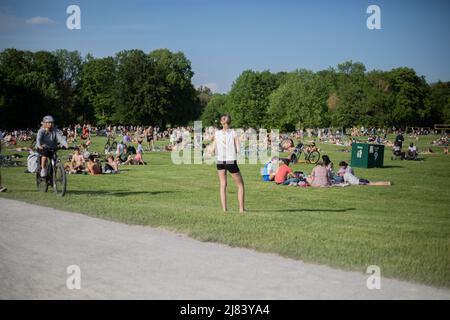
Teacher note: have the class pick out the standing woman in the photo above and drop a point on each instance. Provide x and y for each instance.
(226, 145)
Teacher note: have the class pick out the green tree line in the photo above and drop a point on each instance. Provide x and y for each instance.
(130, 88)
(134, 87)
(344, 96)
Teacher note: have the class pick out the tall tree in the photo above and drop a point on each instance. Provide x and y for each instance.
(249, 98)
(98, 87)
(213, 110)
(438, 104)
(410, 91)
(301, 102)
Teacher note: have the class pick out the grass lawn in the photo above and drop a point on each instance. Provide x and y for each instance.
(404, 229)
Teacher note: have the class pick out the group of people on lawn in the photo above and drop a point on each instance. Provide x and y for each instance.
(323, 174)
(124, 155)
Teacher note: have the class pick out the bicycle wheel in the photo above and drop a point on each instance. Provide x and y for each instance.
(293, 158)
(41, 183)
(314, 157)
(107, 147)
(59, 180)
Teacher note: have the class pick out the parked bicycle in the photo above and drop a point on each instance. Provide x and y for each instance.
(111, 144)
(312, 155)
(55, 177)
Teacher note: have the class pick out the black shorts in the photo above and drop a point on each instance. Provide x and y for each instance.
(45, 153)
(149, 138)
(229, 166)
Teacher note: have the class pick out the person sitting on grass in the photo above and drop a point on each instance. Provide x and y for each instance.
(119, 148)
(319, 176)
(287, 145)
(140, 148)
(329, 165)
(135, 159)
(412, 152)
(343, 168)
(269, 170)
(93, 167)
(111, 165)
(123, 156)
(397, 151)
(311, 148)
(138, 160)
(284, 174)
(77, 164)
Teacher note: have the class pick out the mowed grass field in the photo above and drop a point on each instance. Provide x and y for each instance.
(404, 229)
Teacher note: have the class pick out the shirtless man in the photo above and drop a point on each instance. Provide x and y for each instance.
(77, 163)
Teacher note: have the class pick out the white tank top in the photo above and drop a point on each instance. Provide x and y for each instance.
(225, 148)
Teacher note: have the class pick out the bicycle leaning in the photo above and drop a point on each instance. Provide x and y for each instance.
(55, 175)
(312, 155)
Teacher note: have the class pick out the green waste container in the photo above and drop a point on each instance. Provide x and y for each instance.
(367, 155)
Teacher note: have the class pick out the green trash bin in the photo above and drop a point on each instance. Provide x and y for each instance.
(367, 155)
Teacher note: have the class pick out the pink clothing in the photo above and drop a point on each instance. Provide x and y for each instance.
(320, 177)
(138, 157)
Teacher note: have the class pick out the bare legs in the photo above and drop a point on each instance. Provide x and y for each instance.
(223, 188)
(380, 183)
(237, 178)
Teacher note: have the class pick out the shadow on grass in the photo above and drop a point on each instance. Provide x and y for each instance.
(116, 193)
(306, 210)
(390, 167)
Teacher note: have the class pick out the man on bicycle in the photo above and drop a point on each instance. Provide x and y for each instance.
(47, 140)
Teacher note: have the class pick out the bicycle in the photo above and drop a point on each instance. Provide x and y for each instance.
(111, 144)
(310, 157)
(55, 177)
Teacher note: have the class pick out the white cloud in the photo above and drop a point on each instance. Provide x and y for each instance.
(40, 20)
(214, 86)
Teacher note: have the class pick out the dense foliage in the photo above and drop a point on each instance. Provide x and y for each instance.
(134, 87)
(130, 88)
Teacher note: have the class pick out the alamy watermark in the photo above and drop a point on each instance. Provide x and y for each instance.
(374, 280)
(73, 281)
(74, 19)
(255, 146)
(374, 20)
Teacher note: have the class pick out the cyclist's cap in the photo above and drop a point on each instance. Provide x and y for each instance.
(48, 119)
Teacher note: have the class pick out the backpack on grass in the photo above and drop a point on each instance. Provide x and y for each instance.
(33, 162)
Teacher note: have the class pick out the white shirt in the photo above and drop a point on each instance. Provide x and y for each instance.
(225, 147)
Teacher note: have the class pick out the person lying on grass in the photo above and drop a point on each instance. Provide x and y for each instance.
(93, 166)
(349, 177)
(284, 174)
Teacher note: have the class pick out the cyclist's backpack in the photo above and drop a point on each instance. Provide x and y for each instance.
(33, 162)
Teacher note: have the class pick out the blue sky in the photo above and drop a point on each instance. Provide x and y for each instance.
(224, 37)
